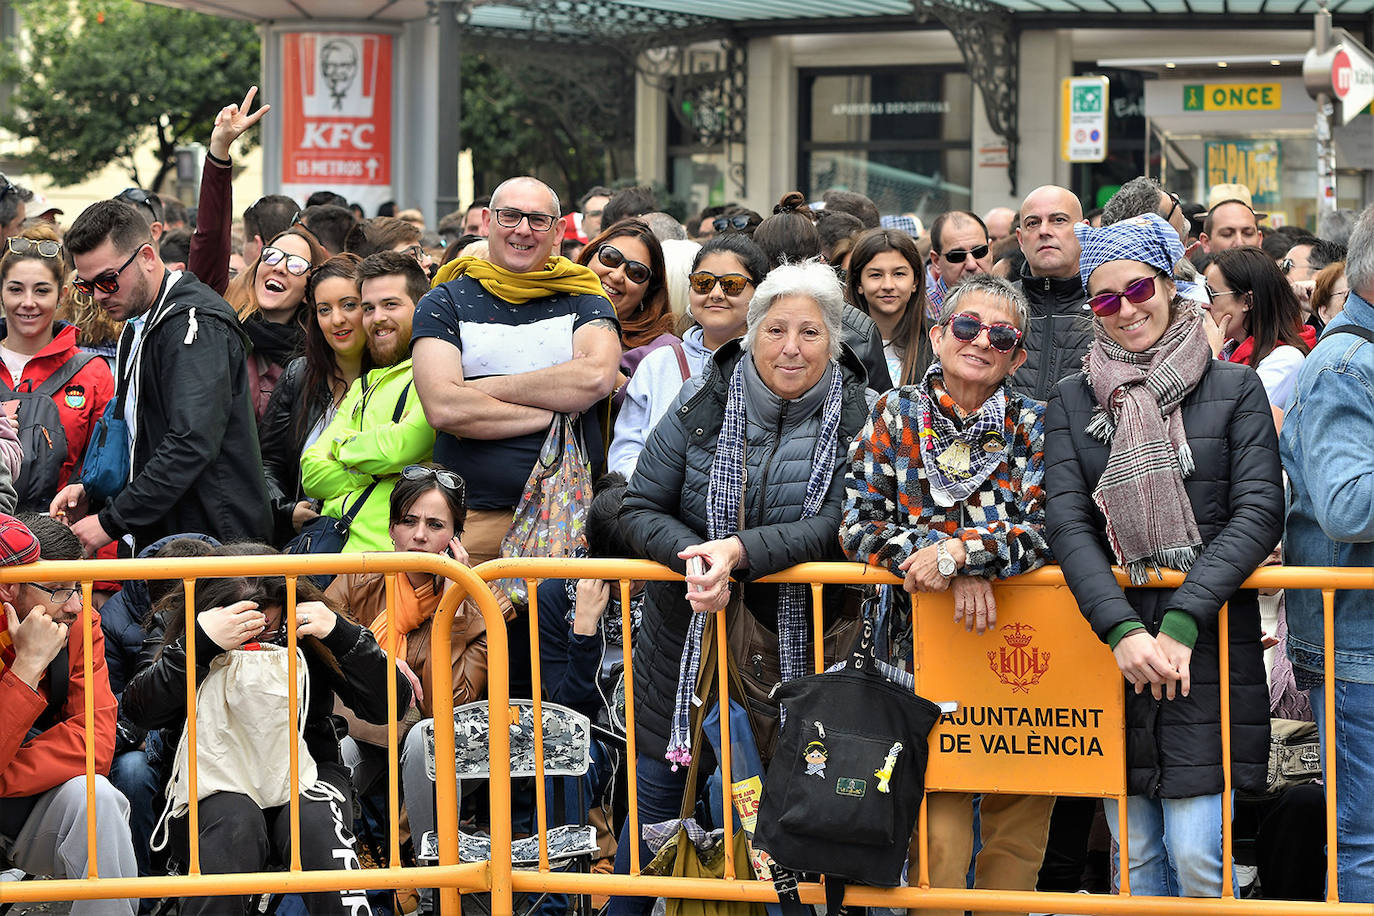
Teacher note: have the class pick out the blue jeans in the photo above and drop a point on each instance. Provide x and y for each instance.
(132, 774)
(660, 799)
(1354, 785)
(1175, 845)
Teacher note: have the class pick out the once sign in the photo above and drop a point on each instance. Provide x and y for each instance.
(1232, 97)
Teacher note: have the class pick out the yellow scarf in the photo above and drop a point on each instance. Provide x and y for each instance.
(412, 609)
(558, 275)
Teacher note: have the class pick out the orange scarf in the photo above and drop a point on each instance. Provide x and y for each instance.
(413, 607)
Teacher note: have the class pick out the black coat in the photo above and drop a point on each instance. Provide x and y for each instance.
(1173, 747)
(290, 414)
(348, 662)
(665, 512)
(196, 463)
(1058, 335)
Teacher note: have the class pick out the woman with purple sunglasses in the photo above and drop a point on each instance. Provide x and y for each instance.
(1160, 456)
(944, 490)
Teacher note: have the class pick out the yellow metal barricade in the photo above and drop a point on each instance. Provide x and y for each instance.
(449, 876)
(1040, 690)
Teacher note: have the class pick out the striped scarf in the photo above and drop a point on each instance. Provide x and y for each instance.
(1150, 522)
(724, 495)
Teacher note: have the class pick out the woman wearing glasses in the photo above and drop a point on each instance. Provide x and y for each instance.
(725, 272)
(965, 452)
(428, 508)
(41, 356)
(1255, 306)
(308, 393)
(628, 261)
(1159, 456)
(886, 281)
(270, 301)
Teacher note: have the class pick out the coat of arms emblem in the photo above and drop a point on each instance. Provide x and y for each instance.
(1018, 664)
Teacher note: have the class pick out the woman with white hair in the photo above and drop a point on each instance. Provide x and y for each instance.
(945, 489)
(746, 473)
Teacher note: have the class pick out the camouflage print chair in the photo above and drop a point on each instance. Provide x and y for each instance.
(567, 753)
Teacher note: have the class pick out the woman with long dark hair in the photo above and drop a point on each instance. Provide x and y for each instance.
(309, 391)
(886, 281)
(1255, 306)
(628, 260)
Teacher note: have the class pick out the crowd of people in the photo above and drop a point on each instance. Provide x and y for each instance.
(1124, 388)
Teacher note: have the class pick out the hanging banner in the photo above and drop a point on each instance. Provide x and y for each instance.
(1253, 163)
(336, 116)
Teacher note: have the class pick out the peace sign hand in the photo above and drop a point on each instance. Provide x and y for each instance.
(233, 121)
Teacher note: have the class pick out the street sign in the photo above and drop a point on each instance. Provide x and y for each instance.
(1352, 81)
(1083, 113)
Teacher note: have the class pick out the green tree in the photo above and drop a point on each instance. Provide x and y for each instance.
(96, 79)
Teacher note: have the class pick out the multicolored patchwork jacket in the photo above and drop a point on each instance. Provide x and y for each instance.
(889, 513)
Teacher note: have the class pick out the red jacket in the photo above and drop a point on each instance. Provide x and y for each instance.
(83, 400)
(59, 753)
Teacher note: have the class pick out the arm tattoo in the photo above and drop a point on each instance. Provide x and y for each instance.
(607, 323)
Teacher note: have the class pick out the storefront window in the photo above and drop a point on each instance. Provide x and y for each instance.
(901, 135)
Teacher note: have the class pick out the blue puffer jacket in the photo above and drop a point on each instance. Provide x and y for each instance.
(665, 509)
(121, 620)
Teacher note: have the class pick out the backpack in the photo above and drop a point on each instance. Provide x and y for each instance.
(41, 433)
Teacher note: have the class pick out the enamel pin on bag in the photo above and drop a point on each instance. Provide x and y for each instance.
(843, 789)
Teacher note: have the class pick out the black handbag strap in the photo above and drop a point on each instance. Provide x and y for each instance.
(1356, 329)
(357, 506)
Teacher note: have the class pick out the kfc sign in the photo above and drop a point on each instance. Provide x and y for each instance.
(337, 118)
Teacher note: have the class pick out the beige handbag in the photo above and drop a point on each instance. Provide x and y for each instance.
(242, 743)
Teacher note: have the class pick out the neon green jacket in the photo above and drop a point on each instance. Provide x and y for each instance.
(362, 445)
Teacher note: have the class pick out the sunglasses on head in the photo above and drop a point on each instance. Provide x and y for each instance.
(731, 284)
(44, 248)
(1001, 335)
(447, 479)
(725, 223)
(296, 265)
(957, 255)
(141, 198)
(1105, 304)
(107, 282)
(635, 271)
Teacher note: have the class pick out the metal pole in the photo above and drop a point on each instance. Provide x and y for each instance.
(1326, 149)
(450, 104)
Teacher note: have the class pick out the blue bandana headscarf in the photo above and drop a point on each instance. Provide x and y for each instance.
(1146, 238)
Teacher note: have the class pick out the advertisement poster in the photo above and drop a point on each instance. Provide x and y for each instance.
(1253, 163)
(336, 116)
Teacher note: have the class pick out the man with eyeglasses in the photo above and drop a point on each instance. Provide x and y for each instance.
(959, 248)
(502, 346)
(1060, 328)
(43, 690)
(14, 201)
(182, 382)
(1145, 195)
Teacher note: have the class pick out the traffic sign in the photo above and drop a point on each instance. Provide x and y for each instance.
(1352, 81)
(1083, 113)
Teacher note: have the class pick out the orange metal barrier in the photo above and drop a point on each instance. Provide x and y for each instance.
(1040, 596)
(1037, 602)
(450, 876)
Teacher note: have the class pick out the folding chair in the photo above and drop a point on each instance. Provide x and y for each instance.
(567, 752)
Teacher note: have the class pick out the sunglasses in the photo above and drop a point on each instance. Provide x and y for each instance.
(509, 217)
(107, 282)
(635, 271)
(1001, 335)
(296, 265)
(44, 248)
(447, 479)
(731, 284)
(739, 221)
(141, 198)
(1174, 206)
(957, 255)
(1106, 304)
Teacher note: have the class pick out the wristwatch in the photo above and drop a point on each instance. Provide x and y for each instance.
(945, 560)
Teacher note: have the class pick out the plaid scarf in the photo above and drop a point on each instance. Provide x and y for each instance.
(1150, 522)
(958, 456)
(724, 494)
